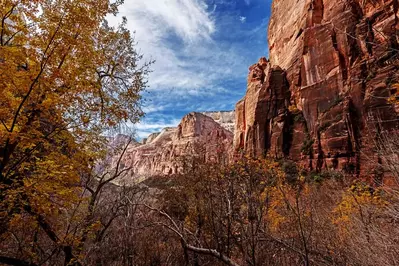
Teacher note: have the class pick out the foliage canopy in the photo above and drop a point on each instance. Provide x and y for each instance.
(66, 78)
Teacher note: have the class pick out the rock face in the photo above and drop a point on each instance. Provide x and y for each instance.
(321, 98)
(151, 137)
(163, 153)
(224, 118)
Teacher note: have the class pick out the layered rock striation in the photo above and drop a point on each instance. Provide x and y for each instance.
(197, 136)
(321, 98)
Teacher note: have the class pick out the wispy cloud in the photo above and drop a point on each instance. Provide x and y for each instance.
(144, 126)
(152, 108)
(179, 35)
(143, 129)
(189, 18)
(160, 26)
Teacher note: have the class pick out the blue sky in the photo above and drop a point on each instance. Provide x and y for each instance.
(202, 48)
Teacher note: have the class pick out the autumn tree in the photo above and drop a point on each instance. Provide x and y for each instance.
(66, 79)
(263, 212)
(226, 215)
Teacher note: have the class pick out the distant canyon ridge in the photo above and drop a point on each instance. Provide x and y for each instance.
(320, 99)
(207, 136)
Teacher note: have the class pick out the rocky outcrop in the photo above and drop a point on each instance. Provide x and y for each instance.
(224, 118)
(264, 103)
(150, 138)
(197, 136)
(321, 98)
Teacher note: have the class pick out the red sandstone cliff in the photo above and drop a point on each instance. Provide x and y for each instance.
(320, 96)
(163, 153)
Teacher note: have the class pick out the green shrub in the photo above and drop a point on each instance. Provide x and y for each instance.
(291, 171)
(307, 146)
(319, 177)
(299, 118)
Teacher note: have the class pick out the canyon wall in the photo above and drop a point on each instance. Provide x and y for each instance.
(321, 98)
(163, 153)
(224, 118)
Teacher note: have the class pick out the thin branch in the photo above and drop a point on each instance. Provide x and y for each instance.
(213, 253)
(198, 250)
(3, 20)
(5, 126)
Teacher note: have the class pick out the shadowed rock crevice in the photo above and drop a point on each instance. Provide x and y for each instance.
(288, 132)
(316, 9)
(369, 36)
(263, 108)
(355, 136)
(267, 136)
(320, 154)
(342, 59)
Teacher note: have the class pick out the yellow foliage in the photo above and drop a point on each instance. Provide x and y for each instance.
(293, 109)
(359, 202)
(66, 78)
(394, 99)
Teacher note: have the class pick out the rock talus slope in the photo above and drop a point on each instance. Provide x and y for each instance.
(321, 98)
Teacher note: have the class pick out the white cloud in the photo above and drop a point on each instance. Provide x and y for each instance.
(143, 129)
(144, 126)
(188, 18)
(190, 62)
(152, 108)
(153, 22)
(143, 134)
(243, 19)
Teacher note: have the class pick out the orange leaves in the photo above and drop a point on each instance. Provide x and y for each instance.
(394, 99)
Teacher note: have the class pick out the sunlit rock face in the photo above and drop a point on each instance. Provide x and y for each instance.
(224, 118)
(318, 98)
(197, 136)
(150, 138)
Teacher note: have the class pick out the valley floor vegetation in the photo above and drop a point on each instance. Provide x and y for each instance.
(251, 212)
(66, 80)
(262, 212)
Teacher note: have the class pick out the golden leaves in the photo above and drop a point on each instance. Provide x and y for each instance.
(65, 79)
(394, 98)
